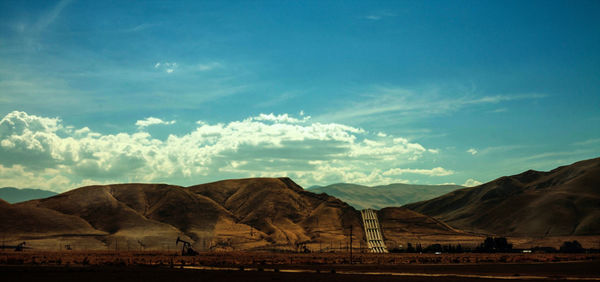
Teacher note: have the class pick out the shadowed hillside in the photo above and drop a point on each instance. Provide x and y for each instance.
(39, 221)
(561, 202)
(378, 197)
(401, 225)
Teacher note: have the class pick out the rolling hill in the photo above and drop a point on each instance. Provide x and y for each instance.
(33, 221)
(239, 214)
(561, 202)
(378, 197)
(400, 225)
(230, 214)
(15, 195)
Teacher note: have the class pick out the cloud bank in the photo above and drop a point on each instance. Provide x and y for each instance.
(44, 152)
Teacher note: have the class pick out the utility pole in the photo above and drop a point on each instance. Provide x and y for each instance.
(350, 244)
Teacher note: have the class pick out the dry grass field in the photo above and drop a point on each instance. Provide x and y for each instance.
(236, 259)
(267, 266)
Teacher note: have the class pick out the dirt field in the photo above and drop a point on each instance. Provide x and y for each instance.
(247, 266)
(73, 258)
(583, 271)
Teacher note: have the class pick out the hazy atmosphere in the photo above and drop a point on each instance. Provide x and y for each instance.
(92, 92)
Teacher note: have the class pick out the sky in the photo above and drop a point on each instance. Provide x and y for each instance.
(366, 92)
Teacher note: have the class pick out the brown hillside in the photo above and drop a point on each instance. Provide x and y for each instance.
(16, 219)
(561, 202)
(253, 213)
(146, 214)
(111, 208)
(239, 214)
(282, 209)
(401, 225)
(403, 220)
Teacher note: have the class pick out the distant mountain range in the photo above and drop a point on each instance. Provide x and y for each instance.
(15, 195)
(378, 197)
(561, 202)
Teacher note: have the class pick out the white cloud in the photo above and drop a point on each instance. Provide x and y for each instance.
(378, 15)
(284, 118)
(500, 110)
(18, 176)
(587, 142)
(471, 182)
(373, 17)
(502, 98)
(171, 67)
(82, 131)
(168, 67)
(277, 99)
(20, 121)
(146, 122)
(48, 18)
(387, 149)
(413, 103)
(139, 27)
(7, 143)
(437, 171)
(472, 151)
(207, 66)
(42, 152)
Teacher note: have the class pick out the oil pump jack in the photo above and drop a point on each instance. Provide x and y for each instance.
(20, 247)
(186, 248)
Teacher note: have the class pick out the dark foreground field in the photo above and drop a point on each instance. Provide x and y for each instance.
(580, 271)
(89, 267)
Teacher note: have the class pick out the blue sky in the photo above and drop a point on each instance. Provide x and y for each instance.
(367, 92)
